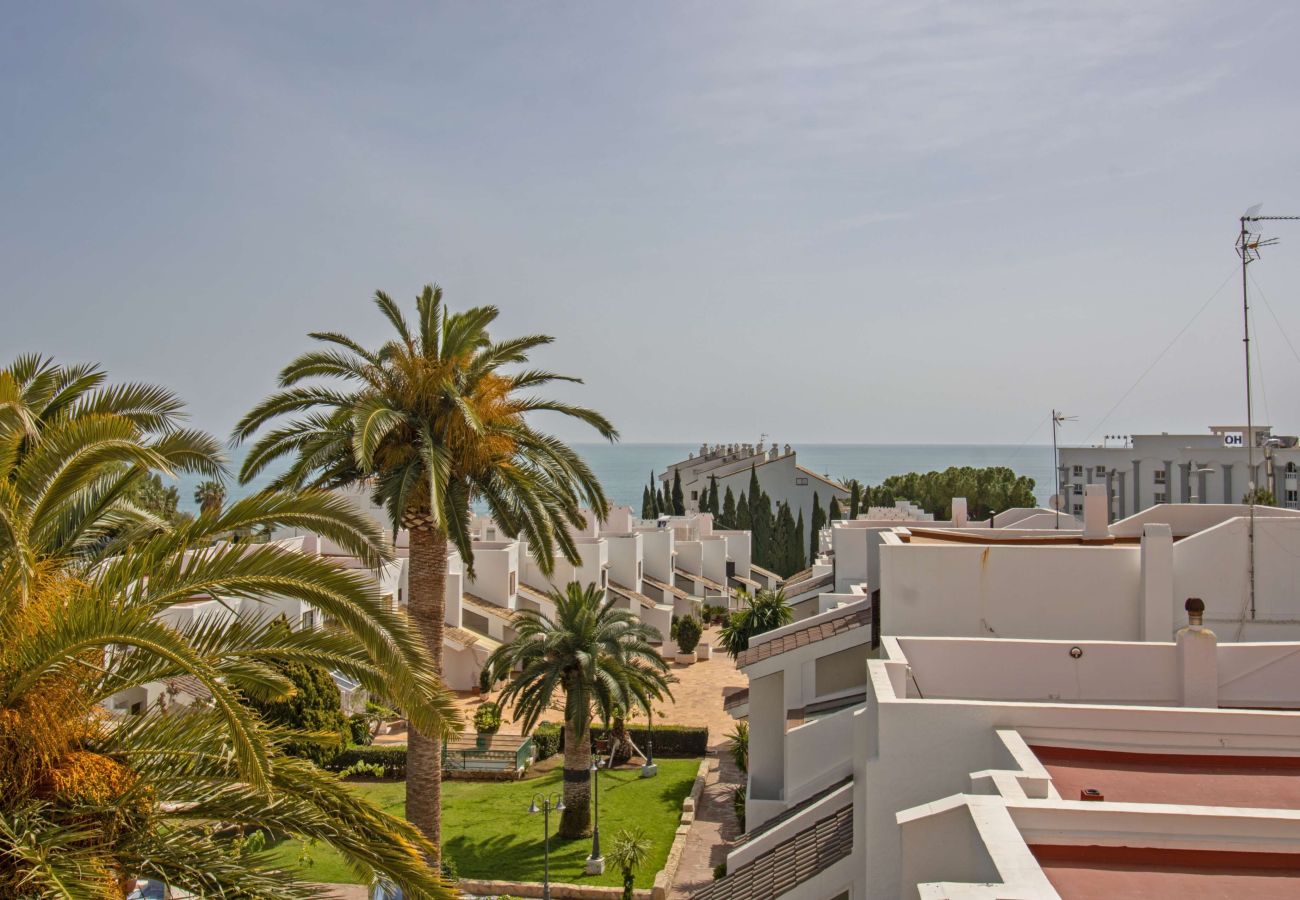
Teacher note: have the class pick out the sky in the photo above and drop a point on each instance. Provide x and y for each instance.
(823, 221)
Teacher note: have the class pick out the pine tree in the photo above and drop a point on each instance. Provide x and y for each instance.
(647, 505)
(744, 522)
(797, 545)
(818, 523)
(835, 514)
(729, 509)
(855, 500)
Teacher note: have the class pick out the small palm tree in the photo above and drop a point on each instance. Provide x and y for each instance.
(210, 495)
(88, 583)
(595, 654)
(431, 423)
(762, 612)
(629, 851)
(738, 745)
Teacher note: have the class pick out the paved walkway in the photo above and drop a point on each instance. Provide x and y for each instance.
(714, 830)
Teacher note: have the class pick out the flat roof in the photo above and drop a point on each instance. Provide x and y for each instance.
(1257, 782)
(1121, 873)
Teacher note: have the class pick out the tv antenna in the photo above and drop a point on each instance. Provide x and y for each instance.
(1057, 419)
(1248, 247)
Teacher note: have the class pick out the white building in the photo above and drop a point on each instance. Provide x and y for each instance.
(997, 768)
(1140, 471)
(779, 476)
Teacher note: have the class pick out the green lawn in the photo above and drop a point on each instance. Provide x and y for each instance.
(487, 830)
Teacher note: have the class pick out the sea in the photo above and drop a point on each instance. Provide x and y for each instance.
(624, 469)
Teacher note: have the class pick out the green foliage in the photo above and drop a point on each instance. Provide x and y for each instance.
(487, 718)
(817, 524)
(738, 805)
(729, 509)
(670, 741)
(629, 852)
(359, 730)
(764, 611)
(392, 758)
(743, 521)
(153, 497)
(679, 500)
(647, 504)
(314, 706)
(738, 745)
(855, 499)
(835, 513)
(688, 634)
(210, 495)
(714, 507)
(547, 738)
(1262, 497)
(715, 615)
(987, 491)
(363, 770)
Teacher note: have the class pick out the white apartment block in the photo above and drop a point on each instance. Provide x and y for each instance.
(1140, 471)
(1002, 768)
(779, 475)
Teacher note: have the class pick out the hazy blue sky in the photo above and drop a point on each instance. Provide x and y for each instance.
(885, 222)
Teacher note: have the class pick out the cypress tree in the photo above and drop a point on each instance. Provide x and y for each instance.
(797, 545)
(835, 513)
(729, 509)
(654, 496)
(855, 500)
(764, 524)
(780, 542)
(713, 495)
(679, 500)
(818, 523)
(647, 505)
(745, 523)
(665, 503)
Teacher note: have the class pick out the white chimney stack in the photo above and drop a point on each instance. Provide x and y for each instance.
(1096, 521)
(959, 514)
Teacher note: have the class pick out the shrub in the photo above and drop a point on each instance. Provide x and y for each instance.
(738, 805)
(720, 870)
(485, 679)
(487, 719)
(546, 739)
(392, 759)
(670, 741)
(715, 615)
(688, 634)
(373, 770)
(359, 729)
(738, 745)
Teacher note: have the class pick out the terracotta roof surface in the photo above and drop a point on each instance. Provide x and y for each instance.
(492, 609)
(795, 588)
(766, 573)
(707, 582)
(747, 582)
(467, 638)
(669, 588)
(188, 684)
(631, 594)
(857, 616)
(733, 697)
(533, 593)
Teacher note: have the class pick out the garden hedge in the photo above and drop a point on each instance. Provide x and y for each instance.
(670, 741)
(546, 739)
(393, 759)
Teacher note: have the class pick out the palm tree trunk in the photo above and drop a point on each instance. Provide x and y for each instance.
(427, 607)
(575, 821)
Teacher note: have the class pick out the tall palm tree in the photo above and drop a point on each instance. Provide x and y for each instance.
(210, 495)
(87, 582)
(759, 613)
(432, 423)
(600, 658)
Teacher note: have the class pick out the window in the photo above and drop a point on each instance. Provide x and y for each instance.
(1078, 471)
(1078, 489)
(695, 495)
(309, 620)
(1292, 497)
(1078, 509)
(800, 480)
(1159, 497)
(1160, 476)
(1290, 468)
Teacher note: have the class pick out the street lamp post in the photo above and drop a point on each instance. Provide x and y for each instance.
(649, 769)
(546, 806)
(595, 862)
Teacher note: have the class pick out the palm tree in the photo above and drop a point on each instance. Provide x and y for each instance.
(628, 853)
(431, 423)
(87, 582)
(762, 612)
(210, 495)
(600, 658)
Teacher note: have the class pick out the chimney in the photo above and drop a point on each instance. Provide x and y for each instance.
(1198, 659)
(1096, 521)
(959, 512)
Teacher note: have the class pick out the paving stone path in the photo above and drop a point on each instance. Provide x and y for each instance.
(715, 827)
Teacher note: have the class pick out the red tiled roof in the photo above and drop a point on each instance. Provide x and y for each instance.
(490, 608)
(855, 617)
(631, 594)
(795, 588)
(669, 588)
(766, 573)
(707, 582)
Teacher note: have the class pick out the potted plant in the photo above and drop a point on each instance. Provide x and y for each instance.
(487, 722)
(688, 638)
